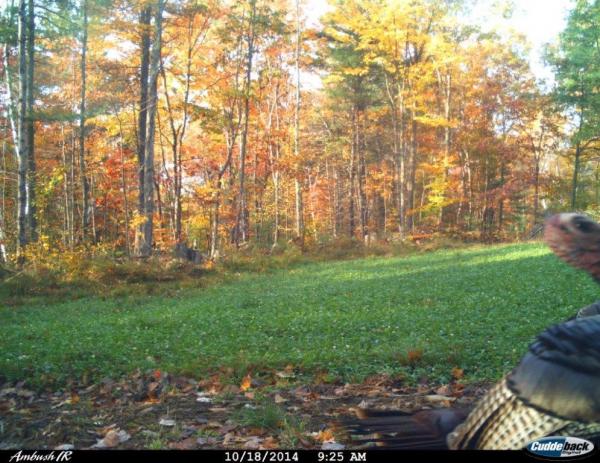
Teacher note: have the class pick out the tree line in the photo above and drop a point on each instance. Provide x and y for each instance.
(215, 124)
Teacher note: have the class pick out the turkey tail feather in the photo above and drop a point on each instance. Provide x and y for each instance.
(399, 430)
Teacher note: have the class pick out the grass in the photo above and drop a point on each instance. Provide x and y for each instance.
(476, 308)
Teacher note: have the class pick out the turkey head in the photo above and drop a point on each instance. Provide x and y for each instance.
(575, 238)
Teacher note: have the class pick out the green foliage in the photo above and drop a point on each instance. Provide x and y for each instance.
(476, 308)
(576, 64)
(266, 415)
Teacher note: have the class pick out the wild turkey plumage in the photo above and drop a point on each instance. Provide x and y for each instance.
(555, 389)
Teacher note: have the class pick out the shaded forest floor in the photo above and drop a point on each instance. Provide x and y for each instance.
(272, 359)
(202, 415)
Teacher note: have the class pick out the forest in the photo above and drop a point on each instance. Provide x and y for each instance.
(137, 126)
(228, 224)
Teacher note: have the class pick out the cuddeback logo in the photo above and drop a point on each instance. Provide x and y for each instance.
(556, 447)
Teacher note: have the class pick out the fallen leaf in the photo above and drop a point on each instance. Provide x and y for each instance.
(109, 441)
(443, 390)
(246, 383)
(414, 356)
(279, 399)
(227, 428)
(217, 409)
(364, 404)
(214, 424)
(339, 391)
(457, 373)
(65, 447)
(186, 444)
(253, 443)
(228, 438)
(230, 389)
(324, 435)
(269, 443)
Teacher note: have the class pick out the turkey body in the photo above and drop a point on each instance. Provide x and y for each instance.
(555, 390)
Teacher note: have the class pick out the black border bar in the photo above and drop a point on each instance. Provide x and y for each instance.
(270, 456)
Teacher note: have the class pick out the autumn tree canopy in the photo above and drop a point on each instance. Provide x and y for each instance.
(145, 125)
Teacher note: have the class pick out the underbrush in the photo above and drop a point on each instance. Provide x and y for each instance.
(54, 274)
(64, 274)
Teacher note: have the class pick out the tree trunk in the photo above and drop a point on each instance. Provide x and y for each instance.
(145, 233)
(23, 157)
(362, 178)
(85, 187)
(410, 183)
(30, 120)
(353, 148)
(241, 227)
(536, 190)
(445, 88)
(3, 253)
(10, 101)
(143, 113)
(297, 185)
(124, 188)
(575, 184)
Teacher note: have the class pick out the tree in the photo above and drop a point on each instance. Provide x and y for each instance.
(144, 237)
(576, 61)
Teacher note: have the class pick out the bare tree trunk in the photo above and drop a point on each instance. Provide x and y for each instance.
(401, 168)
(362, 178)
(410, 184)
(241, 227)
(72, 185)
(125, 189)
(501, 200)
(93, 209)
(31, 174)
(297, 185)
(395, 99)
(575, 183)
(353, 148)
(10, 101)
(274, 154)
(445, 88)
(145, 233)
(536, 190)
(66, 217)
(145, 16)
(85, 187)
(3, 253)
(23, 157)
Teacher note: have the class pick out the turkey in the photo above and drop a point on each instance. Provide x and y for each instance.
(575, 239)
(555, 389)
